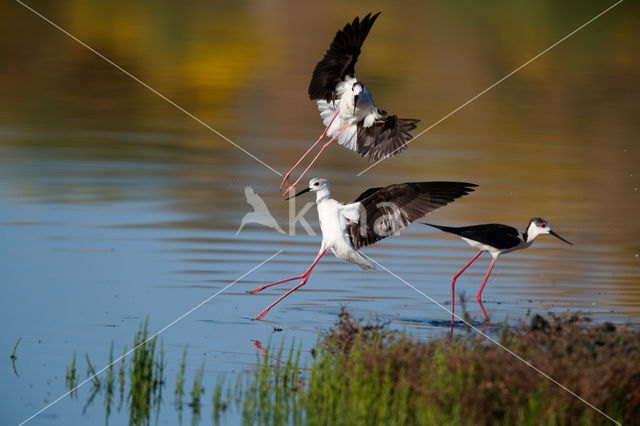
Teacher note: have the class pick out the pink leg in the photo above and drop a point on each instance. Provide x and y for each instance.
(453, 283)
(304, 274)
(479, 295)
(484, 312)
(314, 159)
(286, 177)
(303, 282)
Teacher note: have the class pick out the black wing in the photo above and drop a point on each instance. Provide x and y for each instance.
(339, 60)
(386, 211)
(387, 136)
(492, 234)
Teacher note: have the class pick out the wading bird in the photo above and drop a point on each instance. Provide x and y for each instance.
(496, 239)
(374, 215)
(346, 105)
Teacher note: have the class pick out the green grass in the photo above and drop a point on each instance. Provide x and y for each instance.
(366, 374)
(142, 373)
(196, 392)
(71, 378)
(13, 357)
(179, 391)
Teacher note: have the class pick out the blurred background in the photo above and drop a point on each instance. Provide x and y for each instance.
(116, 206)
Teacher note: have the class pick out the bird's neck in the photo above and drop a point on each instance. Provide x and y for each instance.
(322, 195)
(528, 238)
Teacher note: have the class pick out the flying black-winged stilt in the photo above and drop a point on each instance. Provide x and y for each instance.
(496, 239)
(374, 215)
(346, 105)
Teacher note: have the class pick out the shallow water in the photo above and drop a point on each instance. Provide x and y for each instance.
(115, 206)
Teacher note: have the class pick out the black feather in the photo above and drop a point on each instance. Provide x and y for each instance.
(386, 211)
(340, 59)
(387, 136)
(495, 235)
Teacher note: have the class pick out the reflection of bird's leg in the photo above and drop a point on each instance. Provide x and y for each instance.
(479, 295)
(304, 277)
(286, 177)
(314, 159)
(453, 282)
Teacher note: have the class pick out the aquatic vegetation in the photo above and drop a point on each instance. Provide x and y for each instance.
(219, 404)
(121, 377)
(143, 372)
(271, 395)
(196, 391)
(71, 378)
(179, 391)
(95, 380)
(144, 384)
(13, 357)
(368, 374)
(109, 385)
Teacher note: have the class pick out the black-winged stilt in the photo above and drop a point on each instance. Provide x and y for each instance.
(346, 105)
(374, 215)
(496, 239)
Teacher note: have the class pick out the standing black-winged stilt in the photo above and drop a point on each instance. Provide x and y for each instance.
(496, 239)
(346, 105)
(374, 215)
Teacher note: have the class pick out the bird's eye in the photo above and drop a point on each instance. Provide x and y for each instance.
(317, 183)
(543, 225)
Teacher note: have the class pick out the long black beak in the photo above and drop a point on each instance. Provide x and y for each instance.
(355, 103)
(560, 238)
(307, 189)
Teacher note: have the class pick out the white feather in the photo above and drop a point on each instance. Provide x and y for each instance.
(348, 138)
(351, 212)
(327, 111)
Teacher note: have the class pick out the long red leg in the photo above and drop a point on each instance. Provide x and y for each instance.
(297, 277)
(256, 290)
(484, 312)
(286, 177)
(303, 282)
(479, 295)
(453, 283)
(314, 159)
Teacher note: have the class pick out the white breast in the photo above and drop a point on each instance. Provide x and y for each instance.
(330, 223)
(335, 232)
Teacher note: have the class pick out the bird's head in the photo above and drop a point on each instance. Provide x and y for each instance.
(539, 226)
(357, 88)
(315, 185)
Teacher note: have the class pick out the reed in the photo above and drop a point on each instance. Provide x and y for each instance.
(365, 373)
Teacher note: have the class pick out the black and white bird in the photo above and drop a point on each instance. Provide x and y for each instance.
(346, 105)
(496, 239)
(377, 213)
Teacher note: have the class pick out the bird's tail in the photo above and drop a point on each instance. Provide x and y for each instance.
(362, 261)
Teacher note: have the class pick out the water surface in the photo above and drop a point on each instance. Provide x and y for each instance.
(115, 206)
